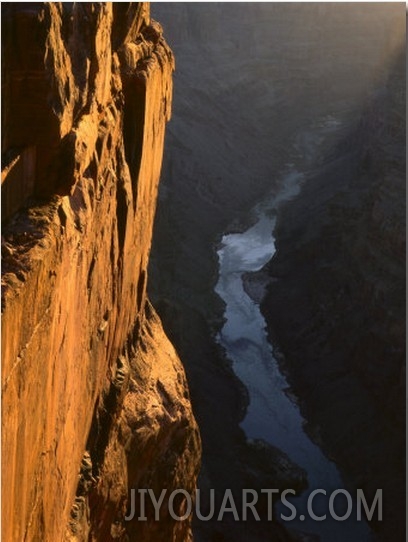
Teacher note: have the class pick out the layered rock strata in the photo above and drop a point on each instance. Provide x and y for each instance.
(94, 397)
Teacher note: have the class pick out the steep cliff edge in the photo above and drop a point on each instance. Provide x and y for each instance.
(95, 401)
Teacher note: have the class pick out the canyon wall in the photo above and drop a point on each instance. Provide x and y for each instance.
(335, 305)
(261, 89)
(94, 397)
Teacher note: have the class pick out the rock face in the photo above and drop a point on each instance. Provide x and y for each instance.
(95, 400)
(336, 305)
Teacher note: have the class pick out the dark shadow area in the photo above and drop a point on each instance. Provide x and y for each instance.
(249, 105)
(337, 310)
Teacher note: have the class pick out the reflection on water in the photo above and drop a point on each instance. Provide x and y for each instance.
(271, 415)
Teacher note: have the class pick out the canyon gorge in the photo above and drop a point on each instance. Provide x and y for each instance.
(239, 324)
(265, 93)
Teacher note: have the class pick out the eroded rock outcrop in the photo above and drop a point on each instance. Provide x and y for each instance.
(95, 400)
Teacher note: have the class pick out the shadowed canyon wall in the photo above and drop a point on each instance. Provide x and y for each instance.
(336, 306)
(94, 397)
(254, 85)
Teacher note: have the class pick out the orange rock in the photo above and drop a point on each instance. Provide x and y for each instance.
(75, 274)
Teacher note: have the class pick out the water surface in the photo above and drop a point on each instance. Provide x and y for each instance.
(271, 414)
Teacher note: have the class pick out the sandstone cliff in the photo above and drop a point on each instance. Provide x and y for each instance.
(94, 397)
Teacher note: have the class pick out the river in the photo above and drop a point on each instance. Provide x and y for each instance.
(271, 414)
